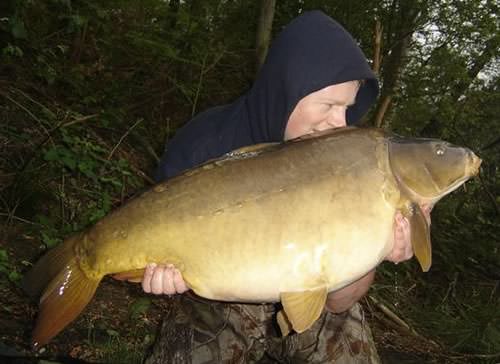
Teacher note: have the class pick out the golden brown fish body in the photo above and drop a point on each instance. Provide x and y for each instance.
(248, 229)
(286, 222)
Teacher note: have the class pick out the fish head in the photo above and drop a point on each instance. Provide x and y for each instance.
(428, 169)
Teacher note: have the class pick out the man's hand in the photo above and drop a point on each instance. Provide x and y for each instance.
(163, 279)
(402, 249)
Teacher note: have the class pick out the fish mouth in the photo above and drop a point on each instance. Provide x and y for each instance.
(472, 168)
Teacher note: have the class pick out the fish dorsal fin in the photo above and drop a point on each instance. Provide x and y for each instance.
(420, 235)
(302, 309)
(249, 150)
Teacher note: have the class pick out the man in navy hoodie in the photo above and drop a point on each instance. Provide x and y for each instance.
(315, 77)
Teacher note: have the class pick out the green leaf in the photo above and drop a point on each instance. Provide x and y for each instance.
(43, 220)
(115, 182)
(3, 256)
(15, 276)
(112, 332)
(49, 241)
(68, 161)
(139, 307)
(51, 154)
(14, 51)
(101, 14)
(97, 215)
(17, 28)
(87, 168)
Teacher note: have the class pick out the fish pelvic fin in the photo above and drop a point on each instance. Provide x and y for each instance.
(66, 291)
(420, 236)
(283, 322)
(135, 275)
(302, 309)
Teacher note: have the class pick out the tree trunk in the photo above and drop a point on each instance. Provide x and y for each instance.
(382, 110)
(491, 45)
(377, 54)
(264, 28)
(173, 11)
(404, 17)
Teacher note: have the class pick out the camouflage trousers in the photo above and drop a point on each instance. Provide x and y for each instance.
(215, 332)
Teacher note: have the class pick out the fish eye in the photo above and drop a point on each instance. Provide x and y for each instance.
(439, 150)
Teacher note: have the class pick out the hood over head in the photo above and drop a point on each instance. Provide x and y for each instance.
(311, 52)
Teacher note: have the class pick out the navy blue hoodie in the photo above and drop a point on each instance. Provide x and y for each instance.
(312, 52)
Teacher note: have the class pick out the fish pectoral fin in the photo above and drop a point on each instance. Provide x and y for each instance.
(302, 309)
(420, 236)
(134, 275)
(283, 322)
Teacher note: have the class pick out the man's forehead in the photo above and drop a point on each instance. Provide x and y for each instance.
(341, 92)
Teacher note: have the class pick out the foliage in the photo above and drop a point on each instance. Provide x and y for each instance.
(139, 307)
(112, 347)
(91, 90)
(8, 268)
(117, 351)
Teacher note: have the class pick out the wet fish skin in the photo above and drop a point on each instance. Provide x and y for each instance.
(287, 222)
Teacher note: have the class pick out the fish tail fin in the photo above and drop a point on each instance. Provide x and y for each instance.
(47, 267)
(64, 299)
(68, 290)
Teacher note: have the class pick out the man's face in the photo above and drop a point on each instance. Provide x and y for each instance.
(321, 110)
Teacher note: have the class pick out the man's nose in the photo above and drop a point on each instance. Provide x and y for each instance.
(337, 118)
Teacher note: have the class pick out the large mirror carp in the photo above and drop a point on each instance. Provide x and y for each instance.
(285, 222)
